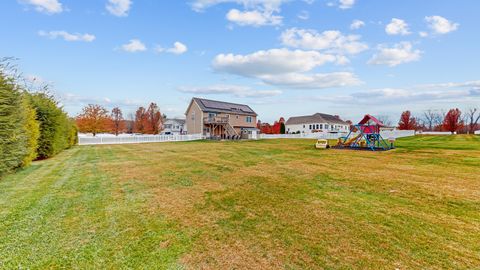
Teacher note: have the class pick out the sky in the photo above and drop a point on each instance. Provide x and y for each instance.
(281, 57)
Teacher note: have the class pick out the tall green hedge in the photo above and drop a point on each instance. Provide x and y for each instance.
(57, 132)
(32, 126)
(13, 136)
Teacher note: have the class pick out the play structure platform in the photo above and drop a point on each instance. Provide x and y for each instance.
(365, 136)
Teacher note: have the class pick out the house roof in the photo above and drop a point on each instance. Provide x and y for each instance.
(207, 105)
(180, 121)
(315, 118)
(368, 117)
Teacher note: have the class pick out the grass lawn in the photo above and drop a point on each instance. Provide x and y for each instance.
(271, 204)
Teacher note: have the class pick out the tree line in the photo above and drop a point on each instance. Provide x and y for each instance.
(452, 121)
(33, 125)
(97, 119)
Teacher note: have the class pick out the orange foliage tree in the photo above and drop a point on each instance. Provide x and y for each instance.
(154, 119)
(118, 123)
(93, 119)
(453, 121)
(407, 121)
(140, 120)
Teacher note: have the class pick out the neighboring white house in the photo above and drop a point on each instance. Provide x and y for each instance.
(174, 127)
(318, 122)
(477, 132)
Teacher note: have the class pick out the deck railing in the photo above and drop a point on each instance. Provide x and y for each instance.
(216, 120)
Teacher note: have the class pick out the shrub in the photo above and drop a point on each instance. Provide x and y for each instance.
(13, 135)
(56, 129)
(32, 131)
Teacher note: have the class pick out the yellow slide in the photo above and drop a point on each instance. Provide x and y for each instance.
(352, 140)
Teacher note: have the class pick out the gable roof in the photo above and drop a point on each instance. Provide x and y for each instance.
(315, 118)
(368, 117)
(180, 121)
(207, 105)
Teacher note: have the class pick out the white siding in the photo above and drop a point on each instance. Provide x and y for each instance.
(310, 127)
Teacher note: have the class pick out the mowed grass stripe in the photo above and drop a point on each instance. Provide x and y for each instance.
(271, 204)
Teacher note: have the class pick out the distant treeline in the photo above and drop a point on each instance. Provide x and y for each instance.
(32, 124)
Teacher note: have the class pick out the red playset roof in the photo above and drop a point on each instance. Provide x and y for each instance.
(368, 117)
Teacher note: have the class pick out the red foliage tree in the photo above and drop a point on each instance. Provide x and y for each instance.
(93, 119)
(407, 121)
(453, 121)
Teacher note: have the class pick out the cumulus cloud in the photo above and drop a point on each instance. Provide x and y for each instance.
(256, 12)
(134, 45)
(178, 48)
(346, 4)
(357, 24)
(118, 8)
(440, 25)
(398, 54)
(67, 36)
(330, 41)
(235, 90)
(45, 6)
(397, 27)
(284, 67)
(253, 18)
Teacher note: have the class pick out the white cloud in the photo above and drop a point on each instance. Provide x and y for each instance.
(397, 27)
(423, 34)
(255, 13)
(134, 45)
(235, 90)
(398, 54)
(45, 6)
(283, 67)
(119, 8)
(346, 4)
(330, 41)
(268, 5)
(253, 18)
(178, 48)
(274, 61)
(313, 81)
(357, 24)
(67, 36)
(440, 25)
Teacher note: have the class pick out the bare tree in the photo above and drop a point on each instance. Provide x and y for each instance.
(385, 119)
(472, 118)
(432, 119)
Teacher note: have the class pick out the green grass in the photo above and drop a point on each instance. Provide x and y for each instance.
(272, 204)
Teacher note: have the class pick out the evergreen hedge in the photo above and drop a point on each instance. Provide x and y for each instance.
(32, 126)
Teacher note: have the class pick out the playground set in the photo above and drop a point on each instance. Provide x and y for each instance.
(365, 136)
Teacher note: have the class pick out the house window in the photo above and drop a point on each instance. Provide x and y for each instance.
(193, 116)
(249, 119)
(318, 126)
(212, 115)
(303, 126)
(321, 126)
(326, 126)
(310, 127)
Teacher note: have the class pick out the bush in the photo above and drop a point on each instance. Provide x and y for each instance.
(13, 123)
(32, 130)
(57, 131)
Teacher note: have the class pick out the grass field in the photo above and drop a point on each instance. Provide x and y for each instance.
(272, 204)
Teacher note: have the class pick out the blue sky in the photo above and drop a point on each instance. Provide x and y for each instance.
(282, 57)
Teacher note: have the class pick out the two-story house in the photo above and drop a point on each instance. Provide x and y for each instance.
(218, 119)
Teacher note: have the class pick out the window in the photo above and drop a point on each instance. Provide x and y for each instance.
(249, 119)
(310, 126)
(321, 126)
(303, 126)
(326, 126)
(318, 126)
(193, 116)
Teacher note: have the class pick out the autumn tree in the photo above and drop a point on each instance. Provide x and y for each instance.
(473, 117)
(453, 121)
(93, 119)
(140, 120)
(118, 123)
(407, 121)
(154, 119)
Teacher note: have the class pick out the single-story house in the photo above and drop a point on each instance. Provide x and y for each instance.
(319, 122)
(174, 126)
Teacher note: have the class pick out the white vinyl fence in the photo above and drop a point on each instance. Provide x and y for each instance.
(90, 140)
(320, 135)
(435, 133)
